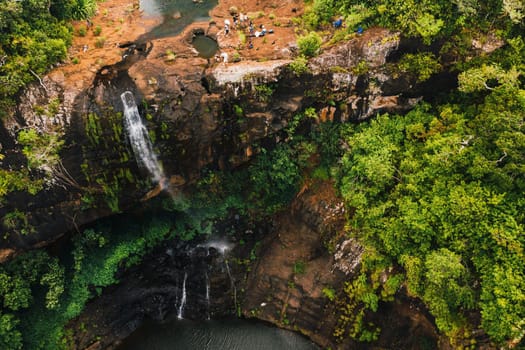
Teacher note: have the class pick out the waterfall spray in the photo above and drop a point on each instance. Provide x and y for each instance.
(232, 282)
(183, 298)
(208, 295)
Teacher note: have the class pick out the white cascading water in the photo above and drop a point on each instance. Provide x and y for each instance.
(180, 313)
(208, 295)
(232, 282)
(139, 138)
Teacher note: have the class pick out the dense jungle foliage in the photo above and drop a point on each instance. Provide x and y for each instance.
(34, 35)
(437, 193)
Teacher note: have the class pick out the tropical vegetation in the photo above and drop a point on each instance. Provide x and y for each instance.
(436, 194)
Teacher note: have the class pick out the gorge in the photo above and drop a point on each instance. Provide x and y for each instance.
(152, 181)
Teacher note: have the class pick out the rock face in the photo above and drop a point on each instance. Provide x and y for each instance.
(195, 280)
(294, 265)
(292, 262)
(201, 115)
(298, 264)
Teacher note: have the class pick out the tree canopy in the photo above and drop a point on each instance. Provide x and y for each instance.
(34, 35)
(440, 190)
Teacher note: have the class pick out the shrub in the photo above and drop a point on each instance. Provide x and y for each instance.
(236, 57)
(329, 293)
(299, 66)
(97, 30)
(83, 9)
(309, 44)
(100, 42)
(360, 68)
(170, 55)
(299, 267)
(237, 110)
(263, 92)
(422, 65)
(242, 37)
(82, 30)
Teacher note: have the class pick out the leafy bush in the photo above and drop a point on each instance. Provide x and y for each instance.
(263, 92)
(82, 30)
(273, 178)
(309, 44)
(99, 43)
(237, 110)
(299, 267)
(422, 65)
(299, 66)
(329, 293)
(83, 9)
(41, 150)
(97, 30)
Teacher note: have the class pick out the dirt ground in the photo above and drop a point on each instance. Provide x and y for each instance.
(123, 21)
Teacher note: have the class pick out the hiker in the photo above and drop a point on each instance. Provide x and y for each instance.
(359, 30)
(226, 29)
(224, 57)
(338, 23)
(263, 30)
(250, 44)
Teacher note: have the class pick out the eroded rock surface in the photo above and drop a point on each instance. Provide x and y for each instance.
(299, 262)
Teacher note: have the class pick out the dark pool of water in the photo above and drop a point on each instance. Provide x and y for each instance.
(231, 334)
(176, 14)
(206, 46)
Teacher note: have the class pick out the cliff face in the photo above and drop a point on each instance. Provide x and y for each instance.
(279, 273)
(304, 260)
(200, 115)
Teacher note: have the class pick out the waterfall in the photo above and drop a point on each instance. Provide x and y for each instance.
(232, 282)
(139, 138)
(208, 295)
(183, 298)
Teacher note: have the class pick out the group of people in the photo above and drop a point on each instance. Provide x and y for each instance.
(239, 21)
(242, 21)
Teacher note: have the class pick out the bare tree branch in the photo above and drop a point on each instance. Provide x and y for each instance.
(40, 80)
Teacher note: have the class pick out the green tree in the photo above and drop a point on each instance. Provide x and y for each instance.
(447, 289)
(10, 337)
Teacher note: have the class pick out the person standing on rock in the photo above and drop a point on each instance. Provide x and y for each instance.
(227, 26)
